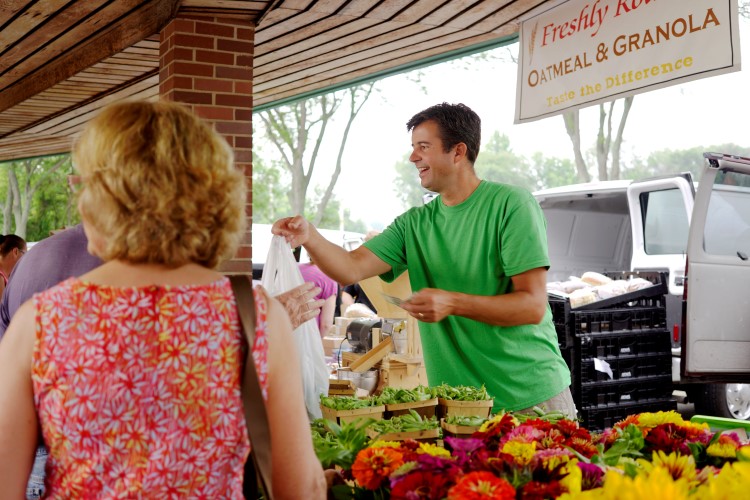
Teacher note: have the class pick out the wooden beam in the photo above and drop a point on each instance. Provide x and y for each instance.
(148, 19)
(373, 356)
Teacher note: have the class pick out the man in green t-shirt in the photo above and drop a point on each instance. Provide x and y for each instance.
(477, 261)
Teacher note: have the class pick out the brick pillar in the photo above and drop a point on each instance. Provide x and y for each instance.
(206, 63)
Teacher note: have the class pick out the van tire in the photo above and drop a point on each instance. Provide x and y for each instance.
(723, 400)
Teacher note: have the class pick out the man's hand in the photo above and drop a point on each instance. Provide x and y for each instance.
(296, 230)
(300, 303)
(429, 305)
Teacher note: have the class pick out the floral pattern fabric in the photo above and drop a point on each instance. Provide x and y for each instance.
(138, 389)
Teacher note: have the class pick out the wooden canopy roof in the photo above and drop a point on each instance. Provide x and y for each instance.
(60, 61)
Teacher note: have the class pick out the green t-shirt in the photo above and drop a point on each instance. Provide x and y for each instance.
(475, 248)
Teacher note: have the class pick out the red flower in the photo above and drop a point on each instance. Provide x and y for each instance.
(667, 438)
(630, 419)
(505, 424)
(420, 484)
(409, 449)
(583, 446)
(535, 490)
(373, 465)
(482, 485)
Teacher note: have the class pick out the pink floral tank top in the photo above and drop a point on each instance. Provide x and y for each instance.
(138, 389)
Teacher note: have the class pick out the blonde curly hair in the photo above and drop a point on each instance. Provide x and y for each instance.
(159, 186)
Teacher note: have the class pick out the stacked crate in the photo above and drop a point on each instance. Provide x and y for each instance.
(626, 335)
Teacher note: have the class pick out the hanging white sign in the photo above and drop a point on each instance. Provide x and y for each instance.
(577, 53)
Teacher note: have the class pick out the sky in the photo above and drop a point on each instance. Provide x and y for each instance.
(699, 113)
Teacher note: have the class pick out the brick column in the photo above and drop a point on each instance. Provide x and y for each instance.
(206, 63)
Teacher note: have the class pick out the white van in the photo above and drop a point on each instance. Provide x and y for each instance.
(652, 225)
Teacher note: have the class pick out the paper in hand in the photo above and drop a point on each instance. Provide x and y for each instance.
(393, 300)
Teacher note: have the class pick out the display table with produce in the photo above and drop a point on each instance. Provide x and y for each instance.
(654, 454)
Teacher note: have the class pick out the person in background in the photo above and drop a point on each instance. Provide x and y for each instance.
(329, 290)
(12, 248)
(353, 294)
(477, 261)
(126, 358)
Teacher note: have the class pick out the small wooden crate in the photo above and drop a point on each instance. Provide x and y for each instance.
(426, 408)
(341, 416)
(460, 431)
(427, 435)
(449, 408)
(341, 388)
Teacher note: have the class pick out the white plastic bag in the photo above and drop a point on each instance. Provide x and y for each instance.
(280, 274)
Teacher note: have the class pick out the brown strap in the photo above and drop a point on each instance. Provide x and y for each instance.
(252, 397)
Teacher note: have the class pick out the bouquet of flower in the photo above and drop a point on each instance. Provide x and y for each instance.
(656, 454)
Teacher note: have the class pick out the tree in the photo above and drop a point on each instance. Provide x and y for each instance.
(406, 185)
(498, 163)
(37, 187)
(553, 172)
(293, 128)
(669, 161)
(606, 146)
(270, 200)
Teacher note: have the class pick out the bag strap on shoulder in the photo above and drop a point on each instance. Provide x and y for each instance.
(252, 396)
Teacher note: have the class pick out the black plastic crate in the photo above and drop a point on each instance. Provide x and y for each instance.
(561, 318)
(618, 392)
(643, 309)
(623, 368)
(570, 355)
(599, 419)
(614, 345)
(652, 296)
(646, 317)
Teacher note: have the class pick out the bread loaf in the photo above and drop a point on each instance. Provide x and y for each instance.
(582, 297)
(594, 278)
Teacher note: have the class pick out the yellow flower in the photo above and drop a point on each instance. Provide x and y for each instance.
(573, 476)
(724, 447)
(495, 419)
(658, 484)
(434, 450)
(650, 420)
(550, 462)
(385, 444)
(743, 454)
(522, 452)
(597, 494)
(730, 484)
(678, 466)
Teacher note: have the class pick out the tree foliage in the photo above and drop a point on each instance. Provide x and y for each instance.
(607, 145)
(297, 132)
(498, 163)
(672, 161)
(35, 196)
(406, 185)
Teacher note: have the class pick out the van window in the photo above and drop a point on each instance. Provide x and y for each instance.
(665, 222)
(727, 230)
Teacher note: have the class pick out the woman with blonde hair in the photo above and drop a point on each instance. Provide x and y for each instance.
(133, 372)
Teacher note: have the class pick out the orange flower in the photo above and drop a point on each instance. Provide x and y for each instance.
(373, 465)
(482, 485)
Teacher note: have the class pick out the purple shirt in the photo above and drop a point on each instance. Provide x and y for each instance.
(328, 287)
(46, 264)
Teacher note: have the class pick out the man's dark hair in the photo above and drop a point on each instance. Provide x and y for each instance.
(456, 122)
